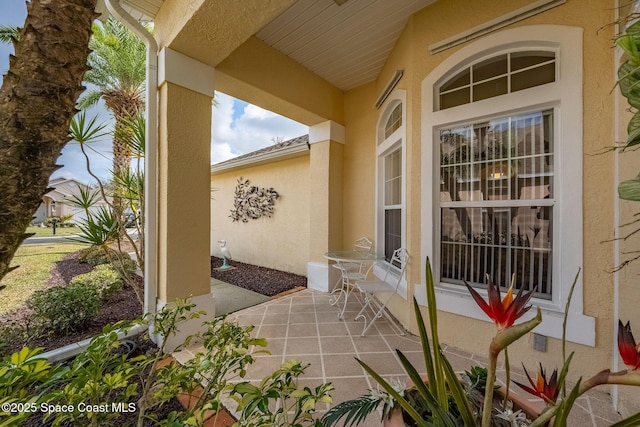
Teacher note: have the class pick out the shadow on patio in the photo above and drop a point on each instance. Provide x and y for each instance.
(304, 326)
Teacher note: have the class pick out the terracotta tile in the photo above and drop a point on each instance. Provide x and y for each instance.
(275, 346)
(277, 308)
(301, 346)
(249, 319)
(303, 308)
(341, 365)
(272, 331)
(312, 314)
(314, 370)
(303, 330)
(262, 367)
(348, 388)
(371, 344)
(295, 318)
(383, 363)
(333, 329)
(276, 319)
(403, 343)
(332, 345)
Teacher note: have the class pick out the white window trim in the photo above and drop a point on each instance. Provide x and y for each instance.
(383, 147)
(565, 97)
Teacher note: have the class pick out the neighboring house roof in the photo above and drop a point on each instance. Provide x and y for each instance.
(64, 188)
(283, 150)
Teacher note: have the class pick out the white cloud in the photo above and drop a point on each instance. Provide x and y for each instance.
(253, 128)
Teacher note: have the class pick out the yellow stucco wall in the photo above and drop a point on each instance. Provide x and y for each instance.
(446, 19)
(280, 242)
(183, 155)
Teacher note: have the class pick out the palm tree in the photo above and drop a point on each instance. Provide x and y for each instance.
(37, 102)
(118, 66)
(9, 34)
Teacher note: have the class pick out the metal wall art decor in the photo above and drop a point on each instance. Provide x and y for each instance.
(251, 202)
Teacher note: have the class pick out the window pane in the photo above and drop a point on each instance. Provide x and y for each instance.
(499, 242)
(394, 122)
(461, 79)
(486, 166)
(492, 67)
(393, 178)
(533, 77)
(490, 89)
(520, 60)
(392, 232)
(455, 98)
(497, 76)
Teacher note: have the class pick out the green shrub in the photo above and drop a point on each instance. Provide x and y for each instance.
(64, 309)
(94, 256)
(104, 278)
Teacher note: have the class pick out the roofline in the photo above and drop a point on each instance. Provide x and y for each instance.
(293, 151)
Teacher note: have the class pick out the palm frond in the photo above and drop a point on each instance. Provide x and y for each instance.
(83, 130)
(89, 98)
(8, 34)
(354, 411)
(85, 199)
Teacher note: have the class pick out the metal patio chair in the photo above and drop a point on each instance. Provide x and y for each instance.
(387, 285)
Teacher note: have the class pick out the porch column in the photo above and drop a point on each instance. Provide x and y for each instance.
(184, 151)
(326, 188)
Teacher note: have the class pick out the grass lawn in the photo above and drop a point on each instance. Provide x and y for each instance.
(35, 261)
(48, 232)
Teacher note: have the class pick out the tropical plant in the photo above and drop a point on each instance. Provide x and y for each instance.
(9, 34)
(104, 228)
(279, 400)
(117, 74)
(64, 309)
(37, 102)
(24, 379)
(446, 400)
(106, 379)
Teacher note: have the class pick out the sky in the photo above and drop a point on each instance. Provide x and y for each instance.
(237, 127)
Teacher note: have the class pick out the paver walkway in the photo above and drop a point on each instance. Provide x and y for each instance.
(305, 326)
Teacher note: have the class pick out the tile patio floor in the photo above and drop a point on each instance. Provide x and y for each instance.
(305, 326)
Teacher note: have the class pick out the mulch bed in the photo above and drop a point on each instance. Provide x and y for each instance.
(125, 304)
(263, 280)
(122, 306)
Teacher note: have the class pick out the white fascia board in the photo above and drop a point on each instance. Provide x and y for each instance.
(268, 157)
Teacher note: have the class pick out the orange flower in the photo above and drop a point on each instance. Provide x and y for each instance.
(629, 350)
(547, 391)
(504, 312)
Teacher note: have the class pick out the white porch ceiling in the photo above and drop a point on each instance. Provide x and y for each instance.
(346, 44)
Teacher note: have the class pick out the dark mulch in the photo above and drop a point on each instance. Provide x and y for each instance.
(122, 306)
(125, 305)
(263, 280)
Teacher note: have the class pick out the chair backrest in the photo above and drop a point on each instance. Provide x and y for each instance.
(399, 260)
(363, 244)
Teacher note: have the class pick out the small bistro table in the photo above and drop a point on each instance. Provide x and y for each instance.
(350, 265)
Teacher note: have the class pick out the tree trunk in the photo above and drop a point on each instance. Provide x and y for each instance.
(37, 102)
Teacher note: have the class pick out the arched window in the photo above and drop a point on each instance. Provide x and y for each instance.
(390, 152)
(497, 75)
(502, 171)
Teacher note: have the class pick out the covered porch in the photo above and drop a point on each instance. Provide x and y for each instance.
(304, 326)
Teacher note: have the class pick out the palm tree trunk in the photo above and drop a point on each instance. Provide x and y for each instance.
(37, 102)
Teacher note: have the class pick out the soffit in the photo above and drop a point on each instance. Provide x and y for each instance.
(345, 44)
(142, 10)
